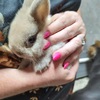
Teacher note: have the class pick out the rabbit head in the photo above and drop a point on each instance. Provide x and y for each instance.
(25, 37)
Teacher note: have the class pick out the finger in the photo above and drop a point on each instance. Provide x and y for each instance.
(62, 22)
(72, 57)
(62, 36)
(73, 71)
(55, 17)
(58, 67)
(68, 48)
(52, 20)
(67, 33)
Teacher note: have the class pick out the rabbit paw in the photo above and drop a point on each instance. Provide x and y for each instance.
(43, 64)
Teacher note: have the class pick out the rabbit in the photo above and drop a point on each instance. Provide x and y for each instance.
(26, 31)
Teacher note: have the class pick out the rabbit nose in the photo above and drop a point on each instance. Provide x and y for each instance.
(30, 41)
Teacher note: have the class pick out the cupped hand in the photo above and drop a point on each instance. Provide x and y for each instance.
(69, 28)
(55, 75)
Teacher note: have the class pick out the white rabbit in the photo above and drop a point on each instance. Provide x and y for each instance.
(25, 37)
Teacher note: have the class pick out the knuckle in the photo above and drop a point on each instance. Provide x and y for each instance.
(82, 29)
(75, 15)
(63, 21)
(73, 28)
(53, 39)
(70, 33)
(66, 13)
(71, 78)
(55, 16)
(72, 12)
(78, 42)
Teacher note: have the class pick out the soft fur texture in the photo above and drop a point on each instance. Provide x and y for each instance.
(30, 23)
(92, 90)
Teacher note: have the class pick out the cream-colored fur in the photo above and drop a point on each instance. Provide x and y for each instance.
(30, 20)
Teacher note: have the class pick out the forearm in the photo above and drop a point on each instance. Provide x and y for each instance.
(13, 81)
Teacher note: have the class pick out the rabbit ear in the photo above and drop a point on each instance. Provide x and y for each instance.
(39, 10)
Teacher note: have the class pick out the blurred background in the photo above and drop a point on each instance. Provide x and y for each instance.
(90, 11)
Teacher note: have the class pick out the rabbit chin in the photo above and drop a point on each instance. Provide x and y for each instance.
(32, 54)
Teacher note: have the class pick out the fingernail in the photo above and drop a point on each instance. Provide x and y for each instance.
(66, 65)
(46, 34)
(56, 56)
(47, 45)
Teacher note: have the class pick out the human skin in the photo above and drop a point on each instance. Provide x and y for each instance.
(71, 31)
(15, 81)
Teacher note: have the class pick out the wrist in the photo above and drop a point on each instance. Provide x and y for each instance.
(14, 81)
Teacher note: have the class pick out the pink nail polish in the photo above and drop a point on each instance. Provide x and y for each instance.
(56, 56)
(46, 34)
(47, 45)
(66, 65)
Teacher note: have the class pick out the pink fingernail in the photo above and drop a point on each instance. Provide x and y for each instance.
(56, 56)
(66, 65)
(46, 34)
(48, 44)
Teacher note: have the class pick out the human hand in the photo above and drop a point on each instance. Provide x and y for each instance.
(15, 81)
(67, 27)
(55, 75)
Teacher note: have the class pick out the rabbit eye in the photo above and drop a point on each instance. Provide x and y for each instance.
(30, 41)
